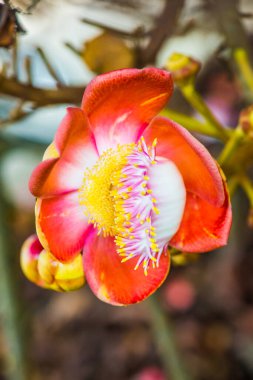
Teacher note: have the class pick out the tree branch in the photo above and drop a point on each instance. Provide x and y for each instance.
(39, 96)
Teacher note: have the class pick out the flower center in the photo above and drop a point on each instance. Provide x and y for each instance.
(96, 191)
(119, 202)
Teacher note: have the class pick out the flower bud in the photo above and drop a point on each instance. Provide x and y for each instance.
(29, 255)
(182, 258)
(182, 67)
(246, 120)
(61, 276)
(43, 269)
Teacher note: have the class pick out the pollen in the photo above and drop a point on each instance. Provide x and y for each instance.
(117, 199)
(97, 193)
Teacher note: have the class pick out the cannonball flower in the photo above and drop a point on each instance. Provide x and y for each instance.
(119, 184)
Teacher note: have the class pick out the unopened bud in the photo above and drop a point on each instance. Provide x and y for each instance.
(181, 259)
(29, 255)
(61, 276)
(182, 67)
(246, 120)
(43, 269)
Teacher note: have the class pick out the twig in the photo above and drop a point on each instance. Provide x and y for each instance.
(196, 101)
(247, 186)
(231, 146)
(192, 124)
(49, 67)
(135, 33)
(28, 69)
(15, 60)
(233, 184)
(245, 70)
(164, 27)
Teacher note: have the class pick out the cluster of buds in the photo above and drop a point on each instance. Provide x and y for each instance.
(182, 67)
(179, 258)
(246, 121)
(43, 269)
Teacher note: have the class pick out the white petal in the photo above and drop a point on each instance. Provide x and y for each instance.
(169, 191)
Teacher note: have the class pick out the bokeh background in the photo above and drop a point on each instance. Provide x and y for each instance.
(60, 45)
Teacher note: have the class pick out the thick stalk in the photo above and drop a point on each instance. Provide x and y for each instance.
(192, 124)
(233, 184)
(242, 61)
(165, 340)
(247, 186)
(231, 146)
(198, 103)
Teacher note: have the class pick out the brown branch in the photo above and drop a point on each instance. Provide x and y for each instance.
(39, 96)
(165, 26)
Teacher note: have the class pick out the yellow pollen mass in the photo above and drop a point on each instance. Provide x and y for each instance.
(98, 193)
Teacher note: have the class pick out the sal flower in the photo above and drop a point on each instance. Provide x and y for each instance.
(117, 186)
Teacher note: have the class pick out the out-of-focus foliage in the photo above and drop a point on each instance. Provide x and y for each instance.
(107, 52)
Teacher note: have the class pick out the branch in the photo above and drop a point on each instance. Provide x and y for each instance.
(39, 96)
(165, 25)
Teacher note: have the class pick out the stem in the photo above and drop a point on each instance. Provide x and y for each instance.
(192, 124)
(73, 49)
(243, 63)
(197, 102)
(15, 60)
(165, 339)
(28, 69)
(247, 186)
(231, 146)
(49, 67)
(233, 184)
(164, 27)
(10, 313)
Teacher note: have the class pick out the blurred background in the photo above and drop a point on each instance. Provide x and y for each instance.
(49, 51)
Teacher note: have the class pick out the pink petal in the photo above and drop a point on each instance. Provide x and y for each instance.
(73, 150)
(204, 227)
(62, 226)
(115, 282)
(120, 104)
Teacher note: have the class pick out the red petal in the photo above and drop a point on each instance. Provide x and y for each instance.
(197, 167)
(115, 282)
(76, 149)
(203, 227)
(61, 225)
(120, 104)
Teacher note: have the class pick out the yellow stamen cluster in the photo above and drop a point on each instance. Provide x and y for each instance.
(118, 201)
(96, 192)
